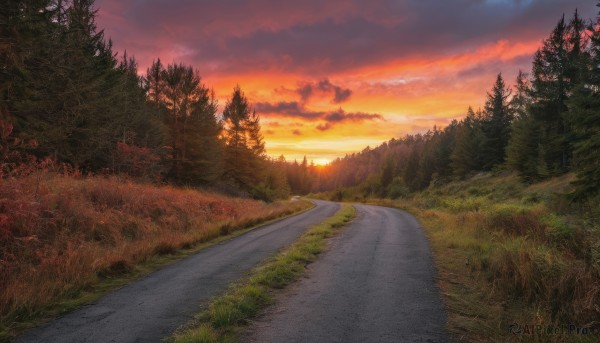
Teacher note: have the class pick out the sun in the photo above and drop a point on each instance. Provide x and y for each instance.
(321, 162)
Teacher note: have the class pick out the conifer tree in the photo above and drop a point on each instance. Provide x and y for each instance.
(467, 154)
(556, 71)
(154, 82)
(237, 155)
(193, 128)
(496, 124)
(521, 99)
(202, 164)
(584, 110)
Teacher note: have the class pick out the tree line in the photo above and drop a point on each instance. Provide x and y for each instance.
(546, 125)
(66, 94)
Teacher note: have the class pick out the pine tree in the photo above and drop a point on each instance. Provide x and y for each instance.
(193, 129)
(155, 83)
(496, 125)
(238, 156)
(466, 156)
(521, 100)
(584, 111)
(202, 164)
(522, 150)
(556, 72)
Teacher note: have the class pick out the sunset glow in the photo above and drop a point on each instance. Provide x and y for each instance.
(330, 78)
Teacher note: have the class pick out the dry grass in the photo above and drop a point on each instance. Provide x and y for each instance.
(60, 235)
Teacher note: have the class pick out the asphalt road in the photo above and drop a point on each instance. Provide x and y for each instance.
(154, 306)
(376, 283)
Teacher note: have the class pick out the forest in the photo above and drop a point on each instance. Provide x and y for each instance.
(67, 96)
(545, 125)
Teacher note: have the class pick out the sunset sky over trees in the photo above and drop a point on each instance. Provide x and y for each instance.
(328, 78)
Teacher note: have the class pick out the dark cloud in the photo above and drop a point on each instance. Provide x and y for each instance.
(492, 67)
(297, 132)
(295, 110)
(306, 89)
(340, 94)
(321, 37)
(287, 109)
(323, 126)
(340, 115)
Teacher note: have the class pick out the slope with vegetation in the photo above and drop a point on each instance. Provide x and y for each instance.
(510, 252)
(62, 235)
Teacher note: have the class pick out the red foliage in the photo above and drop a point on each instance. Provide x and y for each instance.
(138, 161)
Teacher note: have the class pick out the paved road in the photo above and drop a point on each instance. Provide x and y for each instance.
(375, 284)
(153, 307)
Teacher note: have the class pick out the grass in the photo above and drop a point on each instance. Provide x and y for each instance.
(225, 314)
(508, 253)
(66, 240)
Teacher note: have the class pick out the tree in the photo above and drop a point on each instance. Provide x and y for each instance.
(467, 154)
(387, 172)
(155, 83)
(190, 114)
(584, 110)
(412, 169)
(496, 125)
(522, 149)
(203, 163)
(556, 72)
(521, 100)
(238, 165)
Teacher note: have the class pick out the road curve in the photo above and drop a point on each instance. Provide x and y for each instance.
(154, 306)
(375, 284)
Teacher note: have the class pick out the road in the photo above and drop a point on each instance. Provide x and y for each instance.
(376, 283)
(154, 306)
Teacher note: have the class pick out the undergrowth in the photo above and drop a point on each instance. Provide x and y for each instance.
(60, 235)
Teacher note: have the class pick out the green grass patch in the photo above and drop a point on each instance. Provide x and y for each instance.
(225, 314)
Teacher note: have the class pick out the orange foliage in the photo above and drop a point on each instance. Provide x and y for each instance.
(60, 234)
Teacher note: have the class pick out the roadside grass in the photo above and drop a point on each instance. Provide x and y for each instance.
(65, 240)
(226, 314)
(511, 253)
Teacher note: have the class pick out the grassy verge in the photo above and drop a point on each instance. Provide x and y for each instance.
(228, 312)
(65, 241)
(512, 255)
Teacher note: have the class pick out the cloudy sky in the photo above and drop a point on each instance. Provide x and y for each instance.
(330, 77)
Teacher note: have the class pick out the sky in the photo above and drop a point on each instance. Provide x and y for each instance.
(330, 77)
